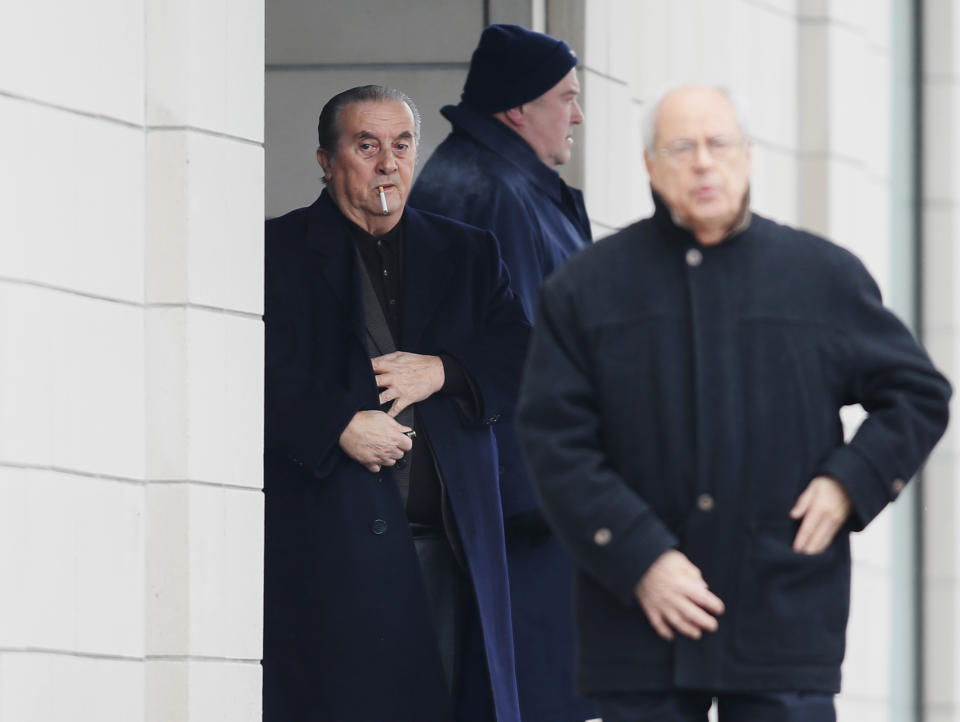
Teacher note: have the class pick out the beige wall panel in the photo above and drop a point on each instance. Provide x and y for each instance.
(80, 586)
(868, 655)
(773, 191)
(52, 688)
(66, 54)
(941, 681)
(71, 200)
(303, 32)
(204, 61)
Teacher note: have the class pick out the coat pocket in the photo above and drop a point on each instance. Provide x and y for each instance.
(792, 607)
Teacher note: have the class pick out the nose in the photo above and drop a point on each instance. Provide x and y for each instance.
(702, 157)
(577, 117)
(386, 162)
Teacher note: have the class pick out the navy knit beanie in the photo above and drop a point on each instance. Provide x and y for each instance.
(512, 66)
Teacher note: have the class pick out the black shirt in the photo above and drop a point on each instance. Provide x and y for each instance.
(383, 260)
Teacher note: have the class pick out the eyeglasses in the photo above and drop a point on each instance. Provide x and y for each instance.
(684, 152)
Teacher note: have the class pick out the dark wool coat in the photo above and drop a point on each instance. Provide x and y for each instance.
(486, 175)
(683, 396)
(347, 633)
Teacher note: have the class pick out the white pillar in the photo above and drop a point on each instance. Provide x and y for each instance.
(130, 360)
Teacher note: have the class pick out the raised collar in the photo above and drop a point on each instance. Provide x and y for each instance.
(499, 139)
(664, 216)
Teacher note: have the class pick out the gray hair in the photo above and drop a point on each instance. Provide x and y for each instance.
(328, 126)
(648, 125)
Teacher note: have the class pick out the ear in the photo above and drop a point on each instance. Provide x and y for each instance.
(323, 158)
(648, 162)
(515, 117)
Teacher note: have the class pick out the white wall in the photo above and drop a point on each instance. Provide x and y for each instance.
(131, 360)
(941, 300)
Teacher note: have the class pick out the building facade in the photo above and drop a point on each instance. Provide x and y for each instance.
(142, 146)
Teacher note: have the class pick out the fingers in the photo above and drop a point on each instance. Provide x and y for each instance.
(676, 598)
(823, 507)
(815, 534)
(803, 503)
(709, 601)
(690, 620)
(660, 625)
(398, 406)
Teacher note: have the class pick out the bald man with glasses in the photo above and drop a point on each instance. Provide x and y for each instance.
(679, 415)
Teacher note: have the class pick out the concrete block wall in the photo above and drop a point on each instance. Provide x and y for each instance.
(131, 364)
(941, 302)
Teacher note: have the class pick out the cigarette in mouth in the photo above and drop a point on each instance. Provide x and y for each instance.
(383, 201)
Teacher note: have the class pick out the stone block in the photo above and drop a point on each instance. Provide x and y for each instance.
(59, 53)
(205, 66)
(60, 688)
(868, 634)
(941, 682)
(204, 211)
(205, 572)
(773, 188)
(203, 691)
(941, 267)
(71, 201)
(941, 505)
(226, 580)
(87, 414)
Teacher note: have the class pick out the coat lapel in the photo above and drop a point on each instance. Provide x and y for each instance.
(427, 272)
(336, 259)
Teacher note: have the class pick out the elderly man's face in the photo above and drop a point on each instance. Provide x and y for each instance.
(550, 120)
(376, 148)
(701, 166)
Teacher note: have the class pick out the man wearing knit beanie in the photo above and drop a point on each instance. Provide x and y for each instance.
(496, 170)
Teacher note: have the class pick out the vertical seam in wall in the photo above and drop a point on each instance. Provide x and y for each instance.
(486, 13)
(919, 95)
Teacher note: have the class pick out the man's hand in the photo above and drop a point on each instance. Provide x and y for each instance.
(375, 439)
(675, 597)
(406, 378)
(824, 507)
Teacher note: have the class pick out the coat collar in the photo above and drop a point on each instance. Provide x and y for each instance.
(664, 217)
(426, 267)
(499, 139)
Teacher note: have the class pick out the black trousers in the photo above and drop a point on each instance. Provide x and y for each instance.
(693, 707)
(445, 583)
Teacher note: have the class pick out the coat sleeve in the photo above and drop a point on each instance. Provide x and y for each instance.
(613, 534)
(888, 373)
(492, 357)
(305, 411)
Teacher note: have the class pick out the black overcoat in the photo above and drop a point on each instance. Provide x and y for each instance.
(683, 396)
(486, 175)
(347, 636)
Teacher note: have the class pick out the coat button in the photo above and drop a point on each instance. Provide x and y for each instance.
(897, 486)
(602, 536)
(694, 257)
(379, 526)
(705, 502)
(401, 462)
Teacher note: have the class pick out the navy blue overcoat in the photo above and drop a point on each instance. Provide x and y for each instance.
(486, 175)
(347, 635)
